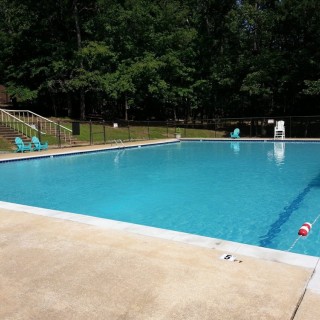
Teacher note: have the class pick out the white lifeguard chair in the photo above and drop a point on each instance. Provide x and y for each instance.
(279, 130)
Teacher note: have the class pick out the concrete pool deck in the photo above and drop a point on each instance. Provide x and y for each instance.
(54, 265)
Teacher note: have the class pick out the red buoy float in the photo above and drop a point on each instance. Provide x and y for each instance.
(305, 228)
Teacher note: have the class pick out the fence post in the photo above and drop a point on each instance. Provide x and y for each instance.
(90, 132)
(290, 126)
(129, 135)
(58, 135)
(167, 129)
(104, 133)
(39, 130)
(148, 130)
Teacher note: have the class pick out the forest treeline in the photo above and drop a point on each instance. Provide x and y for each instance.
(162, 59)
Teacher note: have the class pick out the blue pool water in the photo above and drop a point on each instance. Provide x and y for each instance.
(258, 193)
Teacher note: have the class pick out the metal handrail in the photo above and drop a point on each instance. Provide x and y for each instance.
(39, 116)
(17, 124)
(116, 141)
(30, 119)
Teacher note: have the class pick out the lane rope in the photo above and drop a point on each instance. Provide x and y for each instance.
(298, 238)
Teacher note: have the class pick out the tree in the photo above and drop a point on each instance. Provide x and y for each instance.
(169, 59)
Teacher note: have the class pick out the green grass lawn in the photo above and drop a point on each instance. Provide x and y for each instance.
(96, 133)
(5, 145)
(100, 133)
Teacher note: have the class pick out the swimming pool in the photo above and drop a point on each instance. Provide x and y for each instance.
(258, 193)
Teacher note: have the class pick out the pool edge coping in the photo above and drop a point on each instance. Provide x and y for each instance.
(229, 247)
(94, 149)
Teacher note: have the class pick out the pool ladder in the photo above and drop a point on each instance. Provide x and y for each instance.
(119, 143)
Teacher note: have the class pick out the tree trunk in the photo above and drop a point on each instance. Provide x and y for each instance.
(69, 106)
(82, 105)
(79, 44)
(54, 105)
(125, 108)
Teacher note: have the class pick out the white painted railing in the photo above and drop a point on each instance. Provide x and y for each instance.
(28, 123)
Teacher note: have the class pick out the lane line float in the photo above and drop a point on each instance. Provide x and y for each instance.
(305, 228)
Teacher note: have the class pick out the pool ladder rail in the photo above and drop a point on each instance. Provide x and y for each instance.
(119, 143)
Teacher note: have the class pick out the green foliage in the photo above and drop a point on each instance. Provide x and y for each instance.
(171, 59)
(313, 87)
(22, 94)
(254, 84)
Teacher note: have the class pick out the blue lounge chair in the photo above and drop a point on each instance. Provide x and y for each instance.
(38, 145)
(235, 134)
(21, 146)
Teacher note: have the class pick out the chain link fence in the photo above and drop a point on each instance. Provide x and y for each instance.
(105, 132)
(97, 132)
